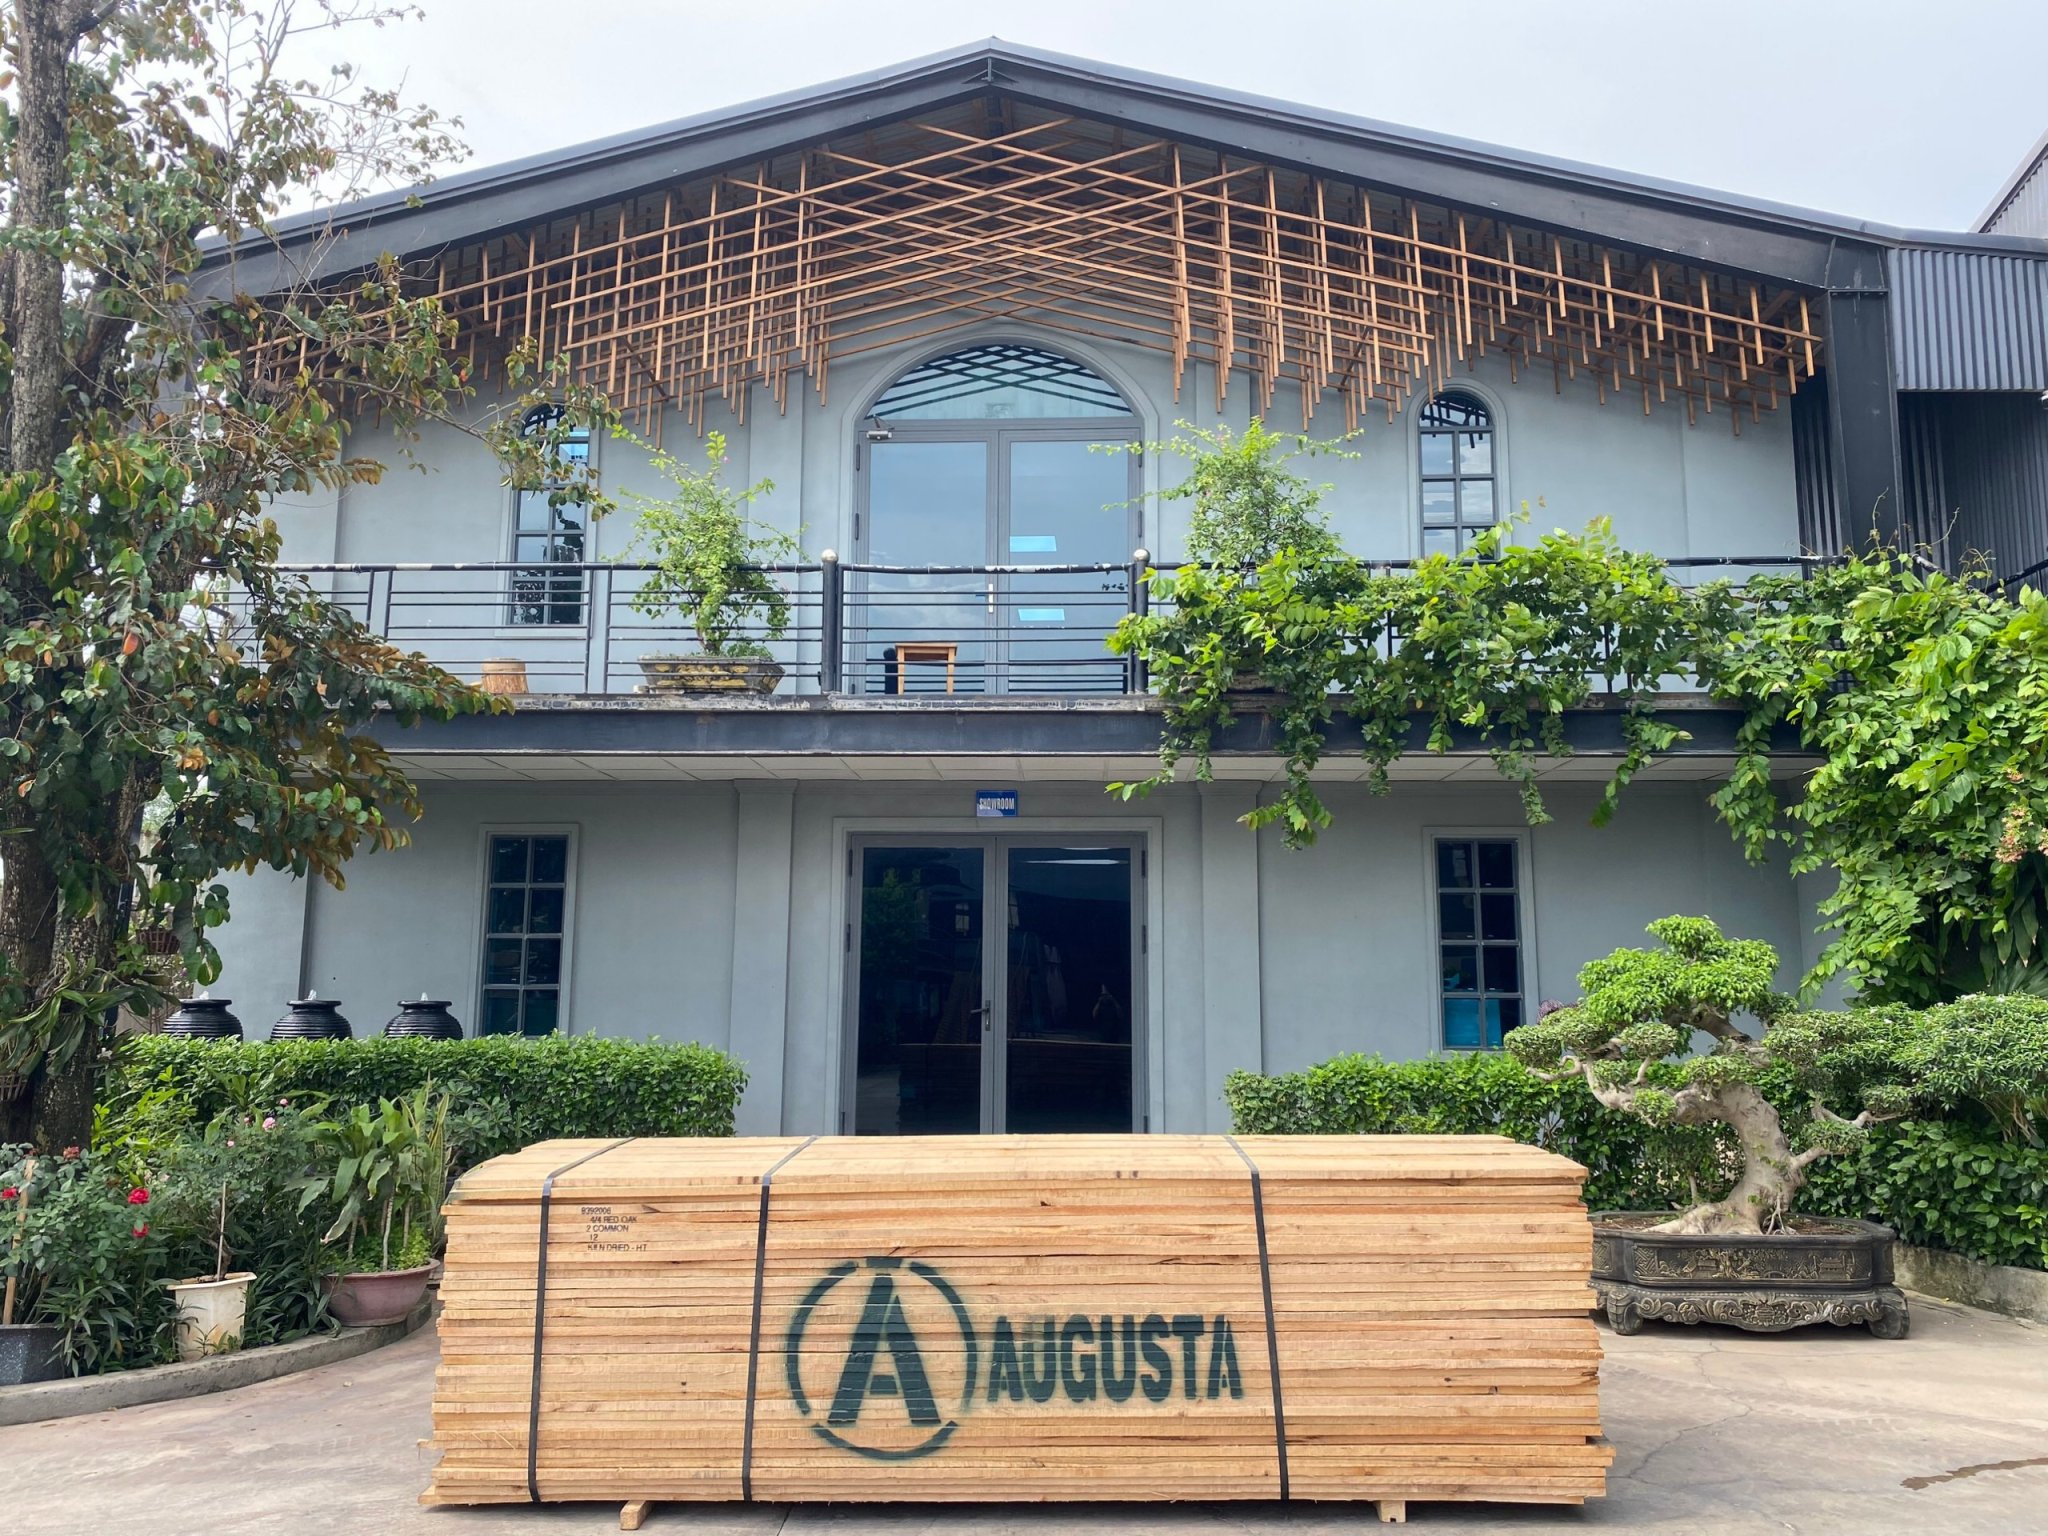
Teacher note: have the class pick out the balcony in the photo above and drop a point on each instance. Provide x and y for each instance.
(857, 631)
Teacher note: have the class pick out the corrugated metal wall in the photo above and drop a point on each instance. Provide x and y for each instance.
(1995, 459)
(1969, 320)
(1813, 471)
(1975, 467)
(1930, 511)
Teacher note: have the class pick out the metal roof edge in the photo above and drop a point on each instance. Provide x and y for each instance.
(2029, 163)
(992, 56)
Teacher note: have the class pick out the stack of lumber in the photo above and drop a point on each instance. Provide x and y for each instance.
(1031, 1318)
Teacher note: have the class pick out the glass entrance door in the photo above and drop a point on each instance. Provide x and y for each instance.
(1026, 1025)
(1067, 990)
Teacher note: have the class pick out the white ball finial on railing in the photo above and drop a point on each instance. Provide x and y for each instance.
(1141, 555)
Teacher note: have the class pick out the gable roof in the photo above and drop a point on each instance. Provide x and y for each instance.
(1765, 239)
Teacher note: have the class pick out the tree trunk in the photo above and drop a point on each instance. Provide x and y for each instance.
(1771, 1179)
(60, 1106)
(45, 34)
(28, 935)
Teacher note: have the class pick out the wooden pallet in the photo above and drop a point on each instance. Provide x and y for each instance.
(1020, 1318)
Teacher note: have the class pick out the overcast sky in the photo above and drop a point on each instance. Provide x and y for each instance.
(1911, 112)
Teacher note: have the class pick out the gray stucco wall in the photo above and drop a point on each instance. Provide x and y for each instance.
(714, 912)
(1669, 487)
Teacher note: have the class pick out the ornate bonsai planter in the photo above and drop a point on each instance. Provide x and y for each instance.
(710, 674)
(1825, 1270)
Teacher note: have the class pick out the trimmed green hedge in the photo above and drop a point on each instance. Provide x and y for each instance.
(1944, 1185)
(575, 1086)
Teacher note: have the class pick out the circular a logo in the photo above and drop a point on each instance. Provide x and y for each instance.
(876, 1353)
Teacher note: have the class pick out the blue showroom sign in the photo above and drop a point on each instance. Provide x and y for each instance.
(995, 802)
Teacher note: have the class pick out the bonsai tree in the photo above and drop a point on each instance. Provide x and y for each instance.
(708, 554)
(1642, 1006)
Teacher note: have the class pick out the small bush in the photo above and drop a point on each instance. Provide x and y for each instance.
(505, 1093)
(1944, 1186)
(1950, 1184)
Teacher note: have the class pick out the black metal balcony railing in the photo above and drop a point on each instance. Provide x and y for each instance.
(880, 630)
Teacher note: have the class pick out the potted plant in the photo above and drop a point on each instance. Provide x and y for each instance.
(1748, 1258)
(212, 1309)
(28, 1351)
(384, 1171)
(709, 562)
(77, 1254)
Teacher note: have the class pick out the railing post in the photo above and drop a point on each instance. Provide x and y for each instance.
(377, 604)
(1140, 605)
(597, 632)
(832, 622)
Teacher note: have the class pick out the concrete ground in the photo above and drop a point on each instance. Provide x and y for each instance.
(1714, 1431)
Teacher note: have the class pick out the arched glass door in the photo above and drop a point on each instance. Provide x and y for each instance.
(987, 474)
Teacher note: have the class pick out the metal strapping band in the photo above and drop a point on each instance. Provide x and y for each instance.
(754, 1335)
(1272, 1332)
(540, 1308)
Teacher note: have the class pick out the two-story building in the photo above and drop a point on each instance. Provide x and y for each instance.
(923, 302)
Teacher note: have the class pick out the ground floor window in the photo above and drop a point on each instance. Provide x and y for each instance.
(526, 927)
(1479, 939)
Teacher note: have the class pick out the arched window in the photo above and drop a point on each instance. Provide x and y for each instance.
(991, 456)
(549, 531)
(1459, 501)
(1001, 381)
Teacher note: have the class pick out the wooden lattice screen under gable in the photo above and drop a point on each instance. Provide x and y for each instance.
(761, 276)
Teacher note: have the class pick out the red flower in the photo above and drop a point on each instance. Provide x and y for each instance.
(9, 1192)
(138, 1197)
(71, 1151)
(142, 1229)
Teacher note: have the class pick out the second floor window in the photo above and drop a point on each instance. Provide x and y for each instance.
(1458, 498)
(548, 533)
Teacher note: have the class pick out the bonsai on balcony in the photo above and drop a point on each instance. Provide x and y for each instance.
(709, 560)
(1745, 1258)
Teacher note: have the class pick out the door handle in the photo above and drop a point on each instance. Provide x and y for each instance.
(988, 1016)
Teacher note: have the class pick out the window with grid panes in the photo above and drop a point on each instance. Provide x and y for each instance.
(1458, 500)
(526, 925)
(1479, 940)
(550, 534)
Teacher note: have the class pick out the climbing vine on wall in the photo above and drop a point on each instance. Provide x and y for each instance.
(1926, 698)
(1486, 650)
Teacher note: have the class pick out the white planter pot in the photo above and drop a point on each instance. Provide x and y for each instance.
(210, 1313)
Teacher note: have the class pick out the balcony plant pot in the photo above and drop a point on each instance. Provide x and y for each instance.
(372, 1298)
(1823, 1269)
(30, 1352)
(502, 676)
(211, 1313)
(710, 674)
